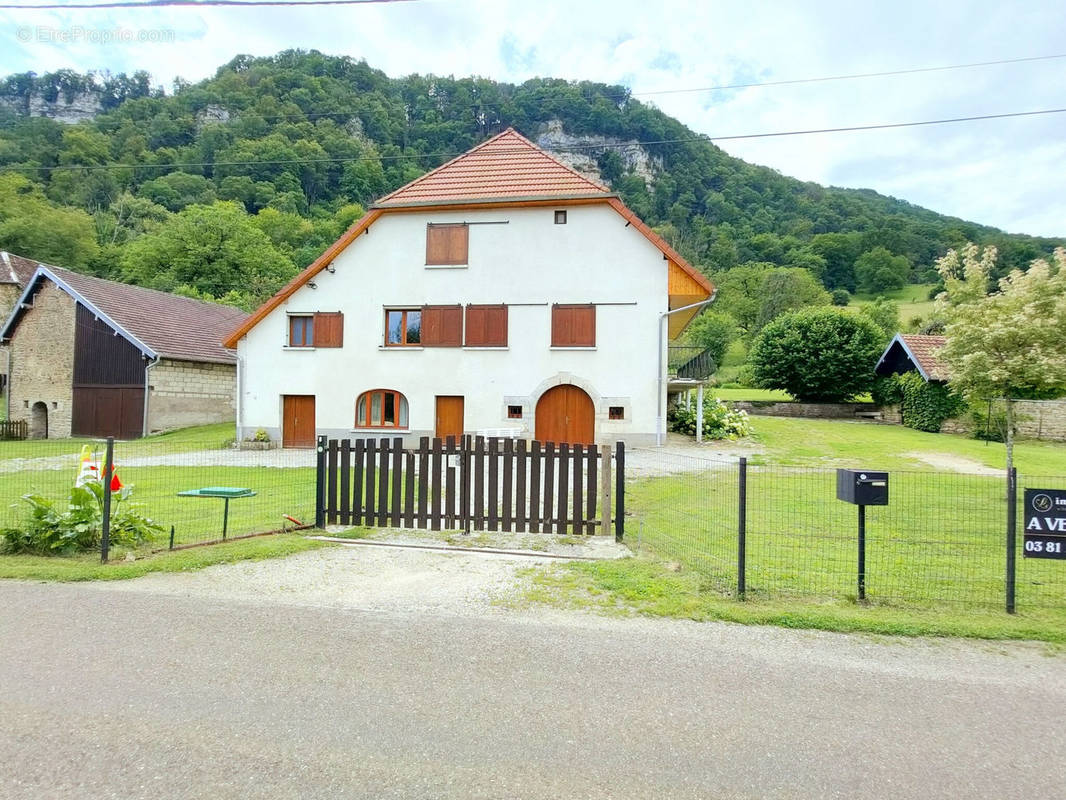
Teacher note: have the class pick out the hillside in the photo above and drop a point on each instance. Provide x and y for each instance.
(228, 186)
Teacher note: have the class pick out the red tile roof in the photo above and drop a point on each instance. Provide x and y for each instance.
(506, 167)
(166, 324)
(922, 349)
(16, 269)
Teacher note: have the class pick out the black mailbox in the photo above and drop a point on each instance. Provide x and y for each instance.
(862, 487)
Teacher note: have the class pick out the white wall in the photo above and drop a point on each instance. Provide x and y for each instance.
(593, 258)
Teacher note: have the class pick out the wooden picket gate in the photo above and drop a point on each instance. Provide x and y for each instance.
(471, 484)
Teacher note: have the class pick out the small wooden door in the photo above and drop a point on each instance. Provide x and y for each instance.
(565, 415)
(298, 420)
(449, 416)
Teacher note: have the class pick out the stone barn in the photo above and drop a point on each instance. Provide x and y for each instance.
(91, 357)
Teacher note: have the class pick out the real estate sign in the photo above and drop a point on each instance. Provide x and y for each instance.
(1045, 523)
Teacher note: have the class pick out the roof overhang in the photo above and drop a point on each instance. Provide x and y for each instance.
(898, 340)
(489, 202)
(24, 303)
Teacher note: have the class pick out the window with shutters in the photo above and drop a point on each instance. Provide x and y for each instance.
(447, 245)
(573, 325)
(486, 326)
(381, 408)
(324, 329)
(442, 326)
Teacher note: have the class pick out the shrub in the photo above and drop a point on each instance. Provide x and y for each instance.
(49, 531)
(719, 420)
(923, 405)
(714, 331)
(841, 297)
(818, 354)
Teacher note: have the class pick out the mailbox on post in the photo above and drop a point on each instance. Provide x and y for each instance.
(862, 487)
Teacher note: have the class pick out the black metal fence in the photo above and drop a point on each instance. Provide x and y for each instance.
(762, 530)
(280, 484)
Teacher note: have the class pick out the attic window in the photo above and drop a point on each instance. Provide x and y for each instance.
(560, 217)
(447, 245)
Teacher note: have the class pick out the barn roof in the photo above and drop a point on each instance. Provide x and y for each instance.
(913, 351)
(507, 167)
(16, 269)
(159, 324)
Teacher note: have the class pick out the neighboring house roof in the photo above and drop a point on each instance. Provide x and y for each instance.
(507, 169)
(15, 269)
(159, 324)
(917, 351)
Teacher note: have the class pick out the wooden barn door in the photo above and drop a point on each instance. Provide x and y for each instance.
(298, 420)
(449, 417)
(565, 415)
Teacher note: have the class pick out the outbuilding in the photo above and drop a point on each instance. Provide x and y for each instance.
(92, 357)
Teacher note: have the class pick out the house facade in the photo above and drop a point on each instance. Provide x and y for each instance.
(91, 357)
(501, 294)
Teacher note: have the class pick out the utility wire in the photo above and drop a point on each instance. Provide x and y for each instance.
(194, 3)
(517, 150)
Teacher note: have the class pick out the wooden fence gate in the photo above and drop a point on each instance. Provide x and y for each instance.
(470, 484)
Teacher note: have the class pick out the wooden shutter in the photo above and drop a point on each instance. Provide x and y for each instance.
(573, 326)
(329, 329)
(442, 326)
(447, 244)
(486, 326)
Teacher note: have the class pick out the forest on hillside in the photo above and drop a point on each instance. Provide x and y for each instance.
(225, 188)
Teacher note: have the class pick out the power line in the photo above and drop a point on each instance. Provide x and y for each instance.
(854, 76)
(194, 3)
(571, 148)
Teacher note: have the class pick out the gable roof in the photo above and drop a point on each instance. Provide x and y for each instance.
(16, 269)
(159, 324)
(919, 350)
(507, 167)
(506, 170)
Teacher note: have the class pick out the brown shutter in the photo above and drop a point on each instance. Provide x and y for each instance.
(442, 326)
(329, 329)
(486, 326)
(447, 244)
(573, 326)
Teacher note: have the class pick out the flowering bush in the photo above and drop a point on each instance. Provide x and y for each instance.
(719, 420)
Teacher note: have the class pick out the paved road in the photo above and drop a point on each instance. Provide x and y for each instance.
(120, 693)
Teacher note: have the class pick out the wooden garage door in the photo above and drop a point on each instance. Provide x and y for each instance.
(298, 420)
(108, 411)
(565, 414)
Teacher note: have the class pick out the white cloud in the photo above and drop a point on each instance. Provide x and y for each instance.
(1005, 173)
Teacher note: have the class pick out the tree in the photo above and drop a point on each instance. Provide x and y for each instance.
(885, 315)
(817, 354)
(34, 228)
(878, 270)
(713, 331)
(1009, 342)
(788, 289)
(212, 249)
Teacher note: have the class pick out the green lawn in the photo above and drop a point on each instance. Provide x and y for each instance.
(203, 437)
(818, 442)
(88, 567)
(723, 393)
(913, 300)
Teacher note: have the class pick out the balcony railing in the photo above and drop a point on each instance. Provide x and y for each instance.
(691, 363)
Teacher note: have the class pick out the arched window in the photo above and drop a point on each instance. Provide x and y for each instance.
(381, 408)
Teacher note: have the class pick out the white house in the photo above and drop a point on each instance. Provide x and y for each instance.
(502, 292)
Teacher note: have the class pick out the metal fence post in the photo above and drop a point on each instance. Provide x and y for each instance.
(320, 484)
(619, 491)
(742, 528)
(862, 552)
(1012, 525)
(105, 525)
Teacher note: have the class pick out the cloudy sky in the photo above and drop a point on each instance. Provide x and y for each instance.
(1008, 173)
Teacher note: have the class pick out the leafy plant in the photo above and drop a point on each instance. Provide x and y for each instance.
(719, 420)
(841, 297)
(48, 530)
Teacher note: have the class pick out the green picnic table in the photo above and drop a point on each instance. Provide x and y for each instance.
(227, 493)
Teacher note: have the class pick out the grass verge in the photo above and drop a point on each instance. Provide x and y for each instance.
(649, 587)
(89, 568)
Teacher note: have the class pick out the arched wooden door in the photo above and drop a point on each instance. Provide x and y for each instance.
(565, 414)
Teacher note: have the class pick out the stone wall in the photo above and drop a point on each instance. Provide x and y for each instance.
(42, 363)
(817, 410)
(1036, 419)
(184, 393)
